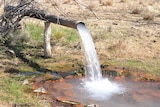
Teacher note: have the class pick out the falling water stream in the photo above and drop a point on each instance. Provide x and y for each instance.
(98, 87)
(91, 63)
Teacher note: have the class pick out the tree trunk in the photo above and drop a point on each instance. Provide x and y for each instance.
(47, 45)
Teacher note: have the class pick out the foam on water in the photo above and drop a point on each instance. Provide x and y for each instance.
(94, 84)
(102, 89)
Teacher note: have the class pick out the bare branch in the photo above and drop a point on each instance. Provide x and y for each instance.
(87, 8)
(13, 15)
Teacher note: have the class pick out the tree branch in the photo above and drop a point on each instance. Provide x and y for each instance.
(87, 8)
(13, 15)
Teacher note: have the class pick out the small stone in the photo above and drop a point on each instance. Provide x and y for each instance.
(69, 103)
(25, 82)
(93, 105)
(40, 90)
(11, 53)
(114, 23)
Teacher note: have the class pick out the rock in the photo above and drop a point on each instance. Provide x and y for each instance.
(114, 23)
(69, 76)
(93, 105)
(11, 53)
(25, 82)
(53, 77)
(69, 103)
(22, 105)
(40, 90)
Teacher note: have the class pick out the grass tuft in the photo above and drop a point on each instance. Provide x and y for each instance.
(148, 16)
(35, 31)
(123, 1)
(58, 35)
(91, 6)
(136, 11)
(17, 37)
(106, 2)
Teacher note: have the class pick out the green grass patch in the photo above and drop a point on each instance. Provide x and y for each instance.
(71, 36)
(148, 66)
(13, 92)
(35, 31)
(64, 34)
(25, 68)
(59, 34)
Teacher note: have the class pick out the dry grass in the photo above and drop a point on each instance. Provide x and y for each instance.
(54, 4)
(135, 7)
(129, 42)
(91, 6)
(147, 2)
(106, 2)
(148, 16)
(1, 7)
(136, 11)
(129, 48)
(66, 1)
(124, 1)
(58, 35)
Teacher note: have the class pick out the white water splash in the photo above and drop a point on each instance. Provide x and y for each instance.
(94, 83)
(102, 89)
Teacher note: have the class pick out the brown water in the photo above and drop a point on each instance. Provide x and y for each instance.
(137, 94)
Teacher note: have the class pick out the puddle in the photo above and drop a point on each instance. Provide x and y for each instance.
(138, 94)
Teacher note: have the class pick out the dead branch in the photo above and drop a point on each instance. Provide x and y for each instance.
(87, 8)
(13, 15)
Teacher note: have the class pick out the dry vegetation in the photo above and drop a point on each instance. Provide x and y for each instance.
(106, 2)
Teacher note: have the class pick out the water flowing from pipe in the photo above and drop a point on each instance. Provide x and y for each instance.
(94, 83)
(91, 63)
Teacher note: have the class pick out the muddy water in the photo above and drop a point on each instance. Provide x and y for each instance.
(138, 94)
